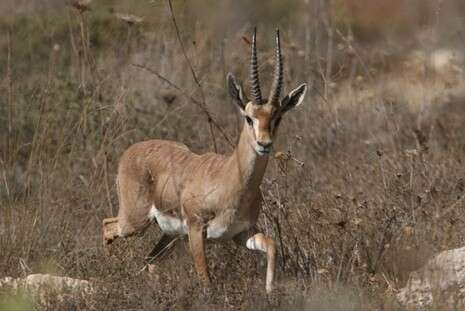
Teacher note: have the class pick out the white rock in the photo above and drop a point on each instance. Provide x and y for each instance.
(10, 282)
(57, 283)
(441, 279)
(39, 285)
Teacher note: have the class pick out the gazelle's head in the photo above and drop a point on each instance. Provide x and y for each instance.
(264, 115)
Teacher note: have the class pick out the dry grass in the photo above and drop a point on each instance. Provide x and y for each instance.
(374, 183)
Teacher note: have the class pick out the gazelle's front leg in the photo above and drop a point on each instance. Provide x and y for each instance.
(260, 242)
(197, 247)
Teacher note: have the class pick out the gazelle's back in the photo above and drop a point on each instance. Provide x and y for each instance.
(158, 155)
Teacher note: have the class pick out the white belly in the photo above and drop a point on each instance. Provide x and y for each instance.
(177, 226)
(168, 224)
(215, 231)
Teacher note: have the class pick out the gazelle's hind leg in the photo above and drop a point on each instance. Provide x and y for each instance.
(110, 230)
(260, 242)
(133, 212)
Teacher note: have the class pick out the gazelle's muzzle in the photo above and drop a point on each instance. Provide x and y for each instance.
(264, 147)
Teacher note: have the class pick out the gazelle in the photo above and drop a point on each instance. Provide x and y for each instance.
(209, 196)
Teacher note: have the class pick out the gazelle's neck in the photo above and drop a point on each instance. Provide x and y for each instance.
(245, 162)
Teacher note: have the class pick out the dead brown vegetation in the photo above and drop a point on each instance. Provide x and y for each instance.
(368, 184)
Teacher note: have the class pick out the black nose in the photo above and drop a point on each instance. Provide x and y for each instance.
(265, 145)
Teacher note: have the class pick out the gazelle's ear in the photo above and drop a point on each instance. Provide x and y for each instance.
(236, 92)
(294, 98)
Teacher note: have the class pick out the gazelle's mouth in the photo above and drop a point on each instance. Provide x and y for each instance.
(263, 150)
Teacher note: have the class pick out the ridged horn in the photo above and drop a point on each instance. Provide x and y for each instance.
(256, 94)
(278, 74)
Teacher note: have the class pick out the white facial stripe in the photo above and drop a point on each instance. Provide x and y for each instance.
(256, 126)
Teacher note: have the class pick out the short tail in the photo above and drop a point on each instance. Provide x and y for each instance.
(111, 230)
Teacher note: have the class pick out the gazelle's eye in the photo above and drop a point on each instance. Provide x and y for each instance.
(249, 120)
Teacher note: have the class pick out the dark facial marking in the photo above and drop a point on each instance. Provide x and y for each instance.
(249, 120)
(264, 118)
(276, 124)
